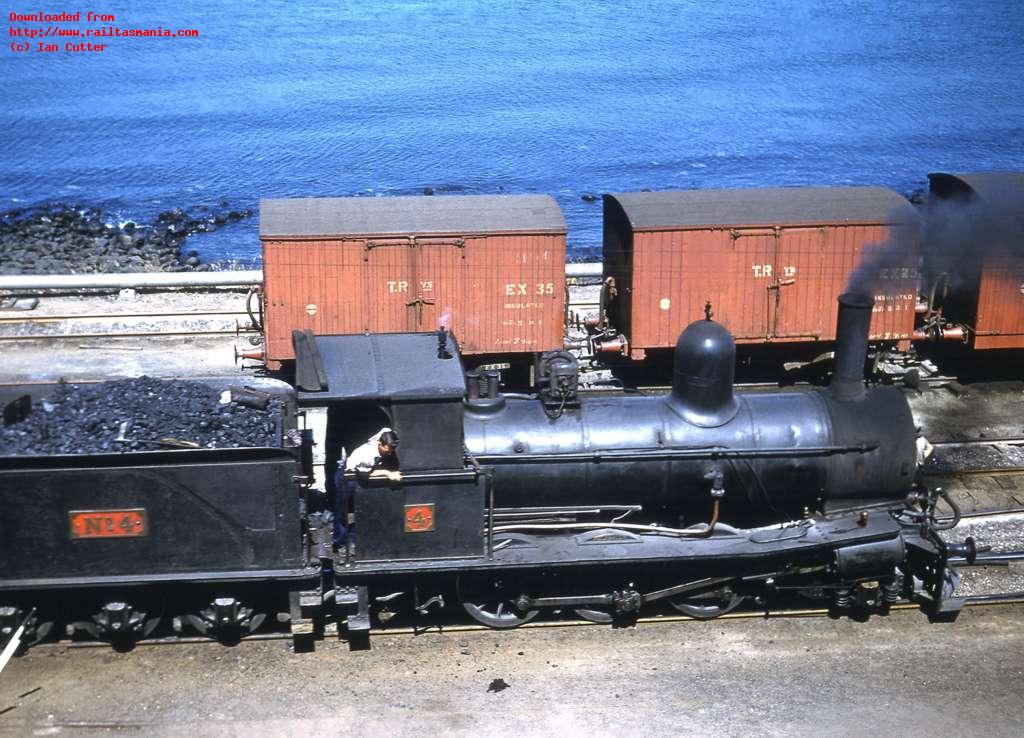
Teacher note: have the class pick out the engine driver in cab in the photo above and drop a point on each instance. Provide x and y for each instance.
(375, 459)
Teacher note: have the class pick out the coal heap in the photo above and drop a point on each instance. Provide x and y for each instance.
(152, 414)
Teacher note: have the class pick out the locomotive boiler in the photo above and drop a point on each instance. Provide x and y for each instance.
(765, 454)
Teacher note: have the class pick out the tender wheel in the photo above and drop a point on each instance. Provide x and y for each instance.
(118, 623)
(32, 628)
(492, 604)
(707, 605)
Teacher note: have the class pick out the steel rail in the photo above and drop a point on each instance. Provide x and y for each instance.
(1002, 472)
(115, 316)
(129, 334)
(1012, 440)
(132, 280)
(986, 513)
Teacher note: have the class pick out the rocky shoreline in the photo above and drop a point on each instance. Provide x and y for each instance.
(61, 238)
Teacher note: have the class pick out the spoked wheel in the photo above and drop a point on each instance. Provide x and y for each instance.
(594, 616)
(707, 605)
(491, 603)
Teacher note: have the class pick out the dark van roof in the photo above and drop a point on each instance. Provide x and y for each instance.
(378, 216)
(771, 206)
(986, 185)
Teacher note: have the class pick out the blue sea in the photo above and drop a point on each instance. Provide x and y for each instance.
(298, 98)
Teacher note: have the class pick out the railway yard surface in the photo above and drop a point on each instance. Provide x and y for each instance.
(736, 675)
(785, 676)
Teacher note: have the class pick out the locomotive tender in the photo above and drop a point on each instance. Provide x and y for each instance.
(510, 504)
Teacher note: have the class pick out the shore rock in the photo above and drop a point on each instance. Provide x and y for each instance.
(61, 238)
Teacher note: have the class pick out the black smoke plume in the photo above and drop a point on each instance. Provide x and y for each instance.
(955, 236)
(895, 258)
(960, 233)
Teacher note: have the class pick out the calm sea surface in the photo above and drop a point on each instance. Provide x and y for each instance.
(297, 98)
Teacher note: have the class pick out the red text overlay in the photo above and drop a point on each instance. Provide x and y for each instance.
(80, 32)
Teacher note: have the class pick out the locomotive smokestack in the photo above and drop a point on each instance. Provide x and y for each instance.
(853, 326)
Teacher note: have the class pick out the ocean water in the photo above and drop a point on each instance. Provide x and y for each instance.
(291, 98)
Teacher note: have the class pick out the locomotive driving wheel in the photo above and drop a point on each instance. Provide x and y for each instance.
(707, 605)
(492, 602)
(594, 616)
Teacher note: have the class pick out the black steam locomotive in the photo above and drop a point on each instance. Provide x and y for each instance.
(511, 504)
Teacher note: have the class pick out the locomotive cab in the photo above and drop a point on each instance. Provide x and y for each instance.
(413, 383)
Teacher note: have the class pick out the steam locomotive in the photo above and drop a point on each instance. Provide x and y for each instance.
(510, 504)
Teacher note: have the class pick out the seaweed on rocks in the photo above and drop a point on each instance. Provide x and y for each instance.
(60, 238)
(137, 415)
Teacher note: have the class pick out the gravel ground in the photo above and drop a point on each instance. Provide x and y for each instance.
(105, 358)
(989, 410)
(951, 460)
(108, 357)
(890, 676)
(991, 580)
(1004, 533)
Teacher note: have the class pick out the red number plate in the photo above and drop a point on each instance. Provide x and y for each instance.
(108, 523)
(419, 518)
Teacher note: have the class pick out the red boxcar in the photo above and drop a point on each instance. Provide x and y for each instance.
(988, 288)
(770, 261)
(489, 268)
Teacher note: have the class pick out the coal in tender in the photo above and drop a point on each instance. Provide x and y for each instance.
(138, 415)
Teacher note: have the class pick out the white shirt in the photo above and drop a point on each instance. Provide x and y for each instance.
(364, 458)
(924, 450)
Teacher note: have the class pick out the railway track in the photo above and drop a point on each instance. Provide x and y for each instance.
(114, 316)
(135, 324)
(985, 560)
(968, 473)
(1006, 440)
(1007, 599)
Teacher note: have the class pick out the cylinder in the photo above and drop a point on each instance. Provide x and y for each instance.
(853, 326)
(876, 559)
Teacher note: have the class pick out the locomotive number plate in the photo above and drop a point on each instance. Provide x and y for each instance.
(108, 523)
(419, 518)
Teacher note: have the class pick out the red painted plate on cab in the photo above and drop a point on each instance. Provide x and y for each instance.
(108, 523)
